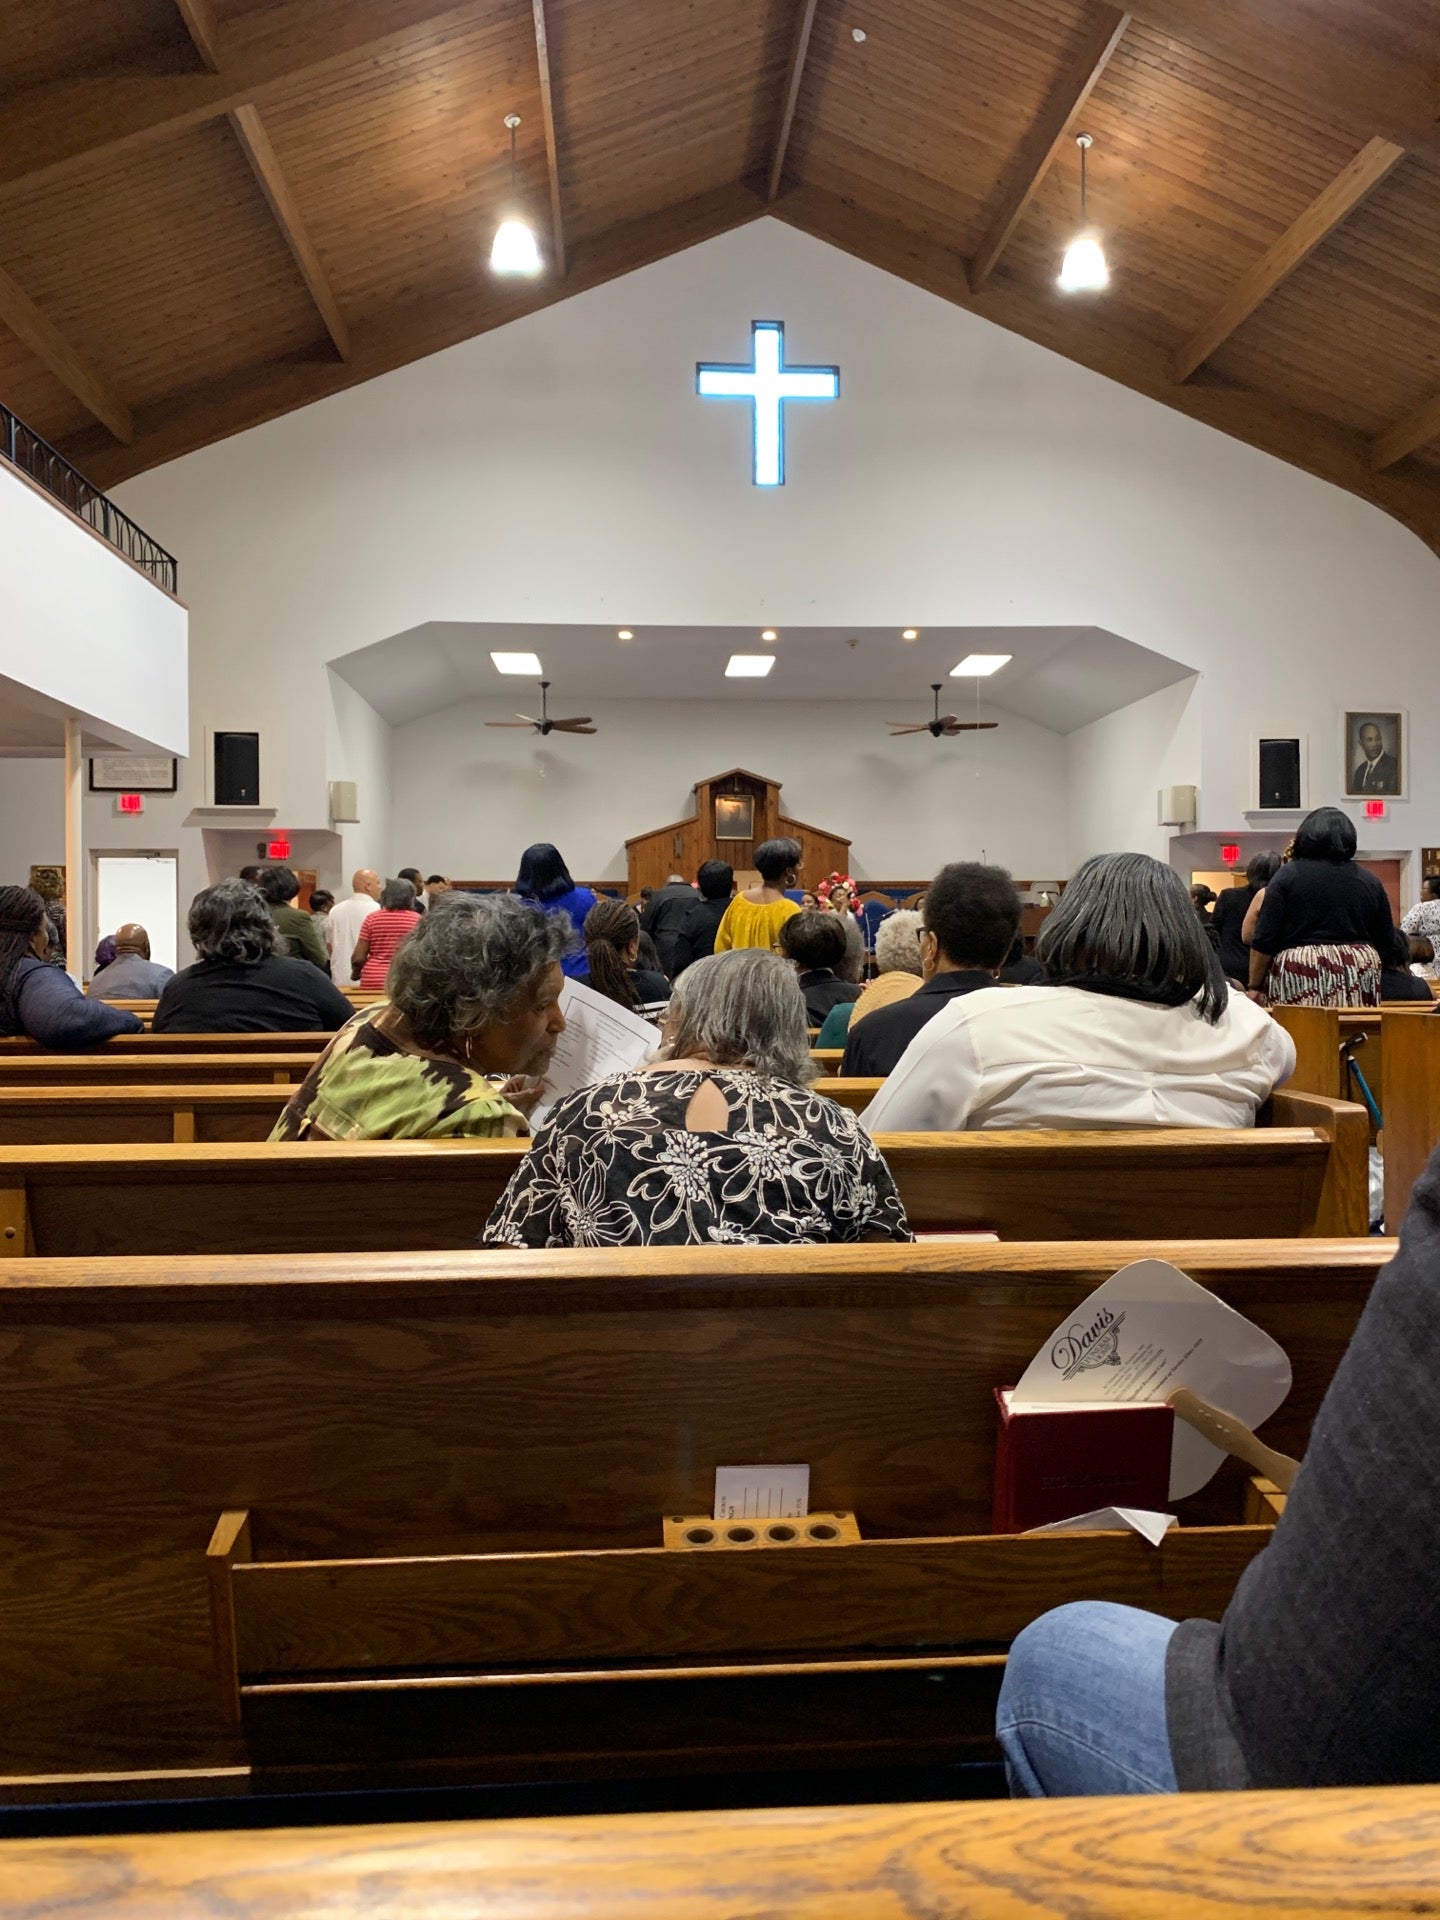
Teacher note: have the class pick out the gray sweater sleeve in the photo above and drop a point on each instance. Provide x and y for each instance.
(1326, 1668)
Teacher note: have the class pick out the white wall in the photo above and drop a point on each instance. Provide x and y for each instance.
(467, 802)
(1115, 768)
(84, 628)
(358, 749)
(562, 469)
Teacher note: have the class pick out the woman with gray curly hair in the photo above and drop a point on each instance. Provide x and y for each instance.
(721, 1140)
(458, 1049)
(897, 963)
(241, 982)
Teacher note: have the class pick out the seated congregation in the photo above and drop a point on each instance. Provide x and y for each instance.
(722, 1139)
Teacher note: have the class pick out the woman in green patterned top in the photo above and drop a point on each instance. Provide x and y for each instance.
(459, 1048)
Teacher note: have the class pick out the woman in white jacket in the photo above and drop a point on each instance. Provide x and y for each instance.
(1136, 1027)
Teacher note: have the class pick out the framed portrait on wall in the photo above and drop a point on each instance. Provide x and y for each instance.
(132, 773)
(734, 816)
(1376, 750)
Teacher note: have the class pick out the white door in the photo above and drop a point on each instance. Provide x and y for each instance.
(143, 887)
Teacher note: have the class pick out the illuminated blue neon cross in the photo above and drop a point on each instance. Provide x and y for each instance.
(767, 384)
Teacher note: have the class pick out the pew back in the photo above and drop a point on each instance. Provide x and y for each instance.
(488, 1404)
(147, 1046)
(380, 1195)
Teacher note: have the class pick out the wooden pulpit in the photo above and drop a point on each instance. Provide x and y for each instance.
(734, 813)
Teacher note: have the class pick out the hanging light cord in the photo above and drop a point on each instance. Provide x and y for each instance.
(1082, 140)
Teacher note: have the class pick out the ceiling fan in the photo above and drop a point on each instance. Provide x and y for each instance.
(944, 725)
(545, 724)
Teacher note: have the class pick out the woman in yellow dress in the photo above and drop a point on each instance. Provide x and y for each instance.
(754, 918)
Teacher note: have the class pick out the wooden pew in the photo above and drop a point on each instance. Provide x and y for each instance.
(1311, 1855)
(89, 1070)
(556, 1407)
(135, 1115)
(152, 1045)
(1411, 1047)
(1305, 1174)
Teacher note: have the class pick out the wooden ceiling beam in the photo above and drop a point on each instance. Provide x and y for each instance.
(48, 130)
(1302, 439)
(1375, 68)
(244, 400)
(790, 100)
(265, 165)
(1416, 430)
(1044, 136)
(1318, 221)
(45, 340)
(552, 150)
(199, 18)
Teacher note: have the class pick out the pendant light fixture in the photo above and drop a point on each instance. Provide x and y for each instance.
(1083, 269)
(513, 249)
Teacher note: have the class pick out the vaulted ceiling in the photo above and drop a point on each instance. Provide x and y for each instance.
(213, 211)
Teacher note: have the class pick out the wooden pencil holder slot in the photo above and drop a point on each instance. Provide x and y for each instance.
(698, 1533)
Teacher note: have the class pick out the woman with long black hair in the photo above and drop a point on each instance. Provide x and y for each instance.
(39, 1000)
(612, 953)
(544, 880)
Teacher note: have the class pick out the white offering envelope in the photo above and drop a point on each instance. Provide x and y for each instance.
(1150, 1526)
(1147, 1331)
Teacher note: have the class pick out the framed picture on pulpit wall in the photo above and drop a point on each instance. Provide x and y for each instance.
(734, 816)
(1376, 752)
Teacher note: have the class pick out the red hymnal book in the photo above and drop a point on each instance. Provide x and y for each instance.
(1054, 1462)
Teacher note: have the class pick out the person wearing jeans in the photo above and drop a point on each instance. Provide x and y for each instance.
(1325, 1670)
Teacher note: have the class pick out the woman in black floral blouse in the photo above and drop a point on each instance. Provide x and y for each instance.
(720, 1141)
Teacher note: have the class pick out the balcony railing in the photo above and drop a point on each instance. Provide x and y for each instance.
(24, 448)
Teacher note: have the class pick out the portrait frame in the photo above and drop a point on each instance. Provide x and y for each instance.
(734, 816)
(1393, 765)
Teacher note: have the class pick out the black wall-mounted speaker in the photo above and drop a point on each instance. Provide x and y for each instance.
(237, 769)
(1280, 773)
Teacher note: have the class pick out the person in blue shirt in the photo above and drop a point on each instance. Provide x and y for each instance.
(544, 880)
(39, 1000)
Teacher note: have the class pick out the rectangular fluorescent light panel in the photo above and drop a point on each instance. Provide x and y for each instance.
(749, 666)
(518, 663)
(979, 664)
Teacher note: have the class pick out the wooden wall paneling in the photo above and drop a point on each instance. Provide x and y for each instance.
(407, 332)
(477, 1402)
(269, 177)
(552, 151)
(83, 115)
(402, 164)
(1376, 159)
(663, 103)
(1303, 439)
(1047, 133)
(199, 19)
(42, 41)
(1317, 1851)
(172, 260)
(795, 73)
(45, 340)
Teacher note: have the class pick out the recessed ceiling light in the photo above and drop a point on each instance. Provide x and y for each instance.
(749, 666)
(910, 633)
(976, 665)
(769, 634)
(624, 634)
(518, 663)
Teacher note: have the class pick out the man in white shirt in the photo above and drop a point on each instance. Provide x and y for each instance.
(1136, 1029)
(346, 919)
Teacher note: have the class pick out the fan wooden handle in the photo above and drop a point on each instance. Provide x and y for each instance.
(1223, 1430)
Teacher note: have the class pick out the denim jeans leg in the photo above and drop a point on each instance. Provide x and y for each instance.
(1082, 1708)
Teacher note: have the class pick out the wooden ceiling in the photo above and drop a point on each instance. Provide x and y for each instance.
(213, 211)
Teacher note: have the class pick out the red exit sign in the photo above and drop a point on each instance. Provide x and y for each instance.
(278, 850)
(1230, 855)
(131, 803)
(1374, 809)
